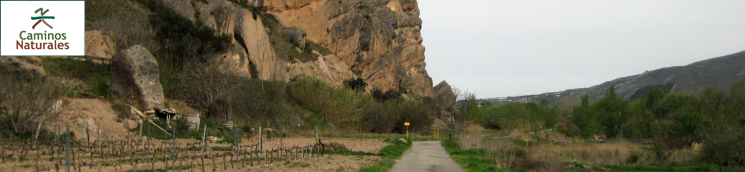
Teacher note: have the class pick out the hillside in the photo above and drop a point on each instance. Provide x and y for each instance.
(719, 73)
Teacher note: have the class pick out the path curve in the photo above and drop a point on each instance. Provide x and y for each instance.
(426, 156)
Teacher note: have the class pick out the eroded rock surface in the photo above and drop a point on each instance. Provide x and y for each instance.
(377, 40)
(135, 78)
(381, 40)
(25, 67)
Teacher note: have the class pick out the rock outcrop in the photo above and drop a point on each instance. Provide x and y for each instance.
(135, 78)
(27, 67)
(444, 95)
(379, 40)
(263, 62)
(327, 68)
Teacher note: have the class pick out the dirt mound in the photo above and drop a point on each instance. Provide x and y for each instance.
(97, 113)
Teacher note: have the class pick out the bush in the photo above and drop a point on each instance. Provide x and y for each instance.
(724, 142)
(338, 106)
(356, 84)
(420, 117)
(387, 95)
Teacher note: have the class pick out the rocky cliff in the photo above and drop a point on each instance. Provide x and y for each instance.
(377, 40)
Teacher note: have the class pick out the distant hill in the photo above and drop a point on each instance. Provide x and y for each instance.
(719, 73)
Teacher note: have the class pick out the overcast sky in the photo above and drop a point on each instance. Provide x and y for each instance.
(498, 48)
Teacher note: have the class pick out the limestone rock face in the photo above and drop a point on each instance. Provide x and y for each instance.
(25, 67)
(135, 78)
(382, 40)
(328, 68)
(183, 7)
(251, 34)
(379, 40)
(444, 95)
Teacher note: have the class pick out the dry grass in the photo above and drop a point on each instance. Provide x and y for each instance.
(586, 153)
(543, 154)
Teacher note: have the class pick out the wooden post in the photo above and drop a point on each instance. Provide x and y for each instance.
(128, 145)
(140, 134)
(38, 155)
(98, 130)
(214, 165)
(147, 148)
(204, 138)
(173, 148)
(2, 152)
(36, 137)
(67, 148)
(202, 164)
(261, 146)
(85, 132)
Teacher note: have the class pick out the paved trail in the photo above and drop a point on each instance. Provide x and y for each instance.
(426, 156)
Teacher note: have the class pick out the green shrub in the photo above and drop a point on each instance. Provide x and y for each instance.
(100, 86)
(339, 106)
(177, 34)
(391, 94)
(355, 84)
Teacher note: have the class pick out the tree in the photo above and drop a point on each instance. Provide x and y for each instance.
(456, 119)
(613, 113)
(25, 103)
(724, 142)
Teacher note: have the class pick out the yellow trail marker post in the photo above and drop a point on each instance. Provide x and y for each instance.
(407, 129)
(437, 131)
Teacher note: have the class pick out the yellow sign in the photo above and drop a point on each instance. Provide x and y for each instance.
(406, 123)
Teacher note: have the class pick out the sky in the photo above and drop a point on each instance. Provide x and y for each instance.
(497, 48)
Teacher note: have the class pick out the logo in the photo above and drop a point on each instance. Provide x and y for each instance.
(57, 28)
(41, 18)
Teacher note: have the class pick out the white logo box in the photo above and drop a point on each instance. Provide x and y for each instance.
(69, 18)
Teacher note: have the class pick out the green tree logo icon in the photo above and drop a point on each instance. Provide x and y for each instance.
(41, 18)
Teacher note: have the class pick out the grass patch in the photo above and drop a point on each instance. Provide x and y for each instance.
(94, 76)
(472, 160)
(348, 152)
(669, 168)
(389, 153)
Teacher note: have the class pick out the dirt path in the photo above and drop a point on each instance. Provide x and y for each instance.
(426, 156)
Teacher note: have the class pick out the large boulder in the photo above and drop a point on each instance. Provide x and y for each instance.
(23, 67)
(444, 95)
(135, 78)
